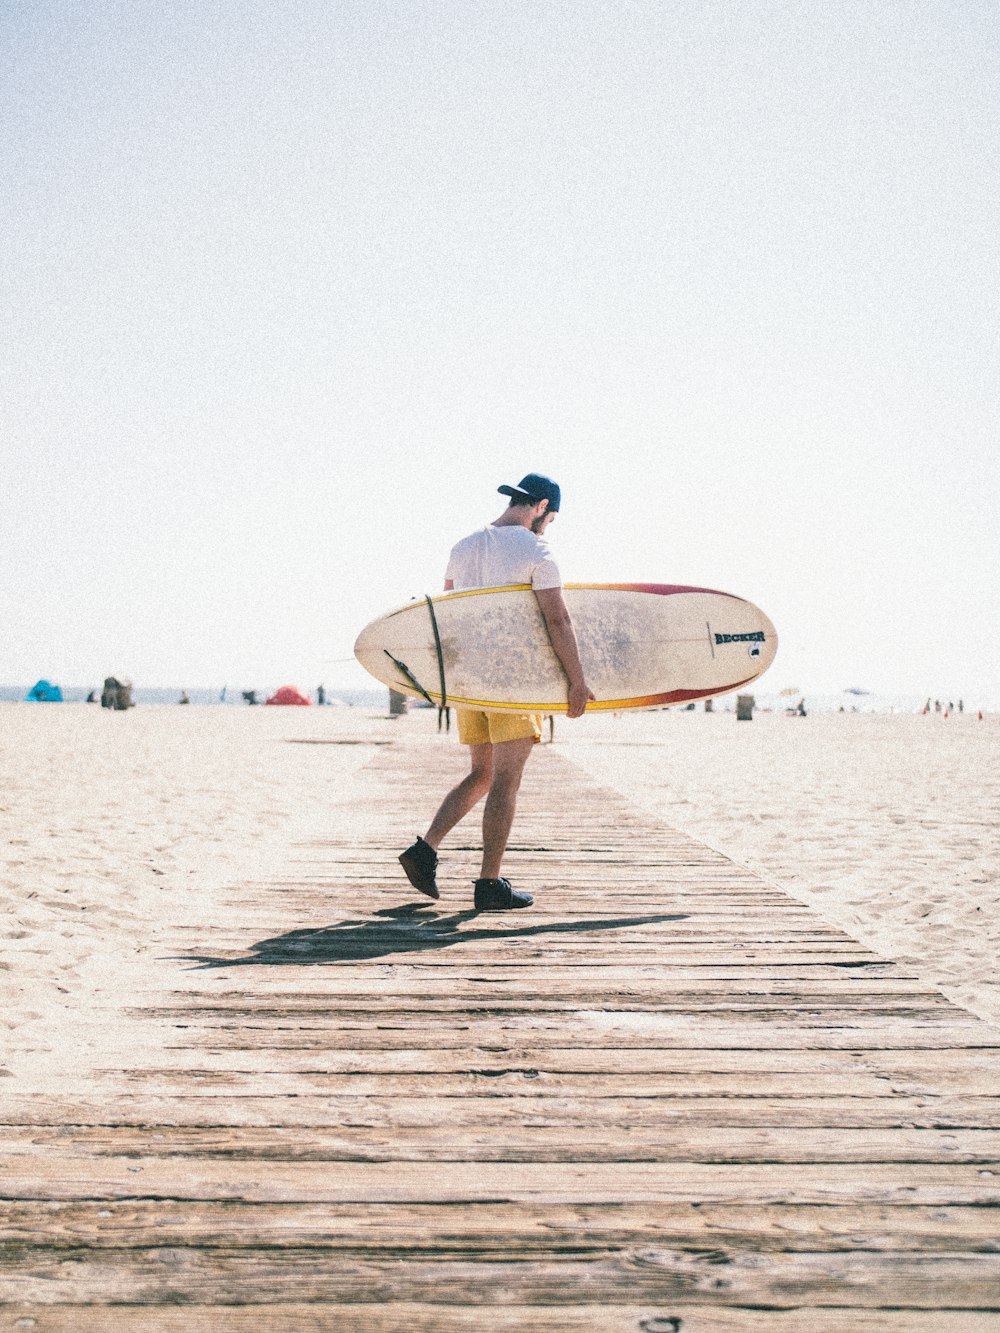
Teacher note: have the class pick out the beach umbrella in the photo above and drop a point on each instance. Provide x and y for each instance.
(790, 690)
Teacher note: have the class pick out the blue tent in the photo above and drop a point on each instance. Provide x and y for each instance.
(45, 693)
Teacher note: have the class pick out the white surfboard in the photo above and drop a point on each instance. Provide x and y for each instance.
(643, 645)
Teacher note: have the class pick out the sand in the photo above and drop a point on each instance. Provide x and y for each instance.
(116, 826)
(888, 825)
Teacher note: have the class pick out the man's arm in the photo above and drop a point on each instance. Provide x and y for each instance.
(563, 637)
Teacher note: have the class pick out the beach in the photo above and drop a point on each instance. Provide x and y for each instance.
(887, 825)
(114, 823)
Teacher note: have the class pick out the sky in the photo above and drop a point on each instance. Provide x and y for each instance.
(289, 290)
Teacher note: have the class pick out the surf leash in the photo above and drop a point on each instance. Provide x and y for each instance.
(401, 666)
(440, 656)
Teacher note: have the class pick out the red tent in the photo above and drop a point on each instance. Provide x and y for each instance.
(288, 694)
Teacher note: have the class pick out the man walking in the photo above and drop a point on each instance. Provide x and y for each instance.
(510, 550)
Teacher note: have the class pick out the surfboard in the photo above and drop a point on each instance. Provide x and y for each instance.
(643, 645)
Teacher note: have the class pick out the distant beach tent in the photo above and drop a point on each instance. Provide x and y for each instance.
(288, 694)
(45, 693)
(856, 689)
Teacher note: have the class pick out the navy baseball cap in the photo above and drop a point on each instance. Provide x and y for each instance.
(535, 487)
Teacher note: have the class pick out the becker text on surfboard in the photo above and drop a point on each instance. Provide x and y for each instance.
(756, 637)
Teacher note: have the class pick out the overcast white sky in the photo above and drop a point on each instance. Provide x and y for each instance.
(289, 290)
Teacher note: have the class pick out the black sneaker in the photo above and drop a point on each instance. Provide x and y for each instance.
(420, 863)
(496, 895)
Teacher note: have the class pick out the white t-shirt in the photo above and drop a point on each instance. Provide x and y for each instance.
(495, 557)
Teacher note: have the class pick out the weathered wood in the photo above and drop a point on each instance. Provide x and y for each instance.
(670, 1092)
(520, 1140)
(430, 1317)
(501, 1109)
(617, 1078)
(416, 978)
(716, 1278)
(676, 1034)
(647, 993)
(484, 1226)
(260, 1181)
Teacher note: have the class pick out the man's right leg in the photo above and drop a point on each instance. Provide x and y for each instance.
(420, 861)
(461, 799)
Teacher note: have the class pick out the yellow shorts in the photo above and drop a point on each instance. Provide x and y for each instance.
(477, 728)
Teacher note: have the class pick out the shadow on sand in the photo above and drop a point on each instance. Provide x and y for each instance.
(412, 928)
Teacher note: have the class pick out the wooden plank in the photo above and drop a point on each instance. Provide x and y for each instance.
(585, 1009)
(518, 1142)
(412, 977)
(534, 1078)
(500, 1110)
(392, 1052)
(258, 1181)
(719, 1278)
(278, 1091)
(670, 1033)
(393, 1316)
(570, 1046)
(274, 986)
(529, 1228)
(585, 991)
(387, 1052)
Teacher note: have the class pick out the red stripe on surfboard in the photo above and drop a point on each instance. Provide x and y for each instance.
(680, 696)
(662, 589)
(607, 705)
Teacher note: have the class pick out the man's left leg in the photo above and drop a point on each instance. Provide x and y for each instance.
(509, 759)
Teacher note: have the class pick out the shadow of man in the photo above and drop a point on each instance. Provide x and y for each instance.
(412, 928)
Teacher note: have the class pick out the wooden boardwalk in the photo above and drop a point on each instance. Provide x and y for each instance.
(669, 1097)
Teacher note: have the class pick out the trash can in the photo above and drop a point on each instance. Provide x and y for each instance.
(398, 703)
(744, 708)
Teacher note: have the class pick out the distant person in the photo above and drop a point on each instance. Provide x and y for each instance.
(510, 550)
(184, 699)
(801, 710)
(321, 696)
(92, 697)
(249, 696)
(117, 694)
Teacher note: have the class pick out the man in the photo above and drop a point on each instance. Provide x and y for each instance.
(510, 550)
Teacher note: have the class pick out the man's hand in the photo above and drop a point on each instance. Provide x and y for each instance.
(579, 697)
(556, 615)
